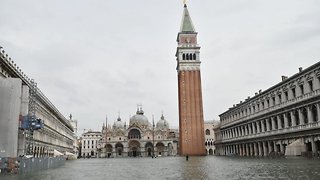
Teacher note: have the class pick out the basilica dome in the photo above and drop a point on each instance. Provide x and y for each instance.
(162, 123)
(118, 124)
(139, 119)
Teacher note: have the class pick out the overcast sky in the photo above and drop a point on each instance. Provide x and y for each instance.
(94, 58)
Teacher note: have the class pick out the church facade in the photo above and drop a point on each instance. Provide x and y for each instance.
(138, 139)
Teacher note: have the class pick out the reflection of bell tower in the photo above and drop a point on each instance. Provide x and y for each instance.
(191, 123)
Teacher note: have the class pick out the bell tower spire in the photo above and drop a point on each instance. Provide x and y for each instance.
(191, 122)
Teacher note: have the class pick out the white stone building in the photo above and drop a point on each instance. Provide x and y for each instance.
(89, 143)
(209, 134)
(282, 120)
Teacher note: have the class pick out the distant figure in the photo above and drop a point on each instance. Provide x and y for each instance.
(187, 157)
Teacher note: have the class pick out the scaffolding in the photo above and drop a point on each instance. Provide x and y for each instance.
(32, 117)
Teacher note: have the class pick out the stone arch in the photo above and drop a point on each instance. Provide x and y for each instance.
(194, 56)
(314, 113)
(108, 150)
(149, 149)
(183, 56)
(160, 148)
(134, 134)
(119, 149)
(207, 132)
(305, 115)
(187, 56)
(210, 151)
(134, 148)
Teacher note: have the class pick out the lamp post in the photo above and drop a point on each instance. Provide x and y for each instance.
(153, 134)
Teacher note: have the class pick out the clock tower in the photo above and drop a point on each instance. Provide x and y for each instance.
(191, 123)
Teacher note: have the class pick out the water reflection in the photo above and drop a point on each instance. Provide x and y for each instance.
(195, 168)
(209, 167)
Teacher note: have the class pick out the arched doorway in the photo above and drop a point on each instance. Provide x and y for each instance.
(160, 148)
(149, 149)
(119, 149)
(109, 150)
(134, 149)
(210, 151)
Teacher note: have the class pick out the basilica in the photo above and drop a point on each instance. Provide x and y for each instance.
(138, 139)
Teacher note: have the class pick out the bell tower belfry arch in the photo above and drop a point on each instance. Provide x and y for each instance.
(191, 123)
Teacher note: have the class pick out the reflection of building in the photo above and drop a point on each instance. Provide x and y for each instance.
(89, 143)
(284, 119)
(140, 138)
(209, 131)
(189, 89)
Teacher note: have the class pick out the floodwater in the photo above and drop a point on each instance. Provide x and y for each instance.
(207, 167)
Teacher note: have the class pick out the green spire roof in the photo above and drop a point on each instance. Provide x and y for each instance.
(186, 25)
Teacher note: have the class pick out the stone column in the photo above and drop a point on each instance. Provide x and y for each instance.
(286, 123)
(251, 149)
(254, 131)
(279, 121)
(282, 149)
(310, 117)
(260, 148)
(240, 150)
(245, 130)
(313, 146)
(247, 150)
(269, 147)
(265, 152)
(293, 118)
(250, 129)
(318, 112)
(255, 149)
(275, 149)
(268, 124)
(273, 124)
(258, 127)
(301, 117)
(263, 128)
(242, 131)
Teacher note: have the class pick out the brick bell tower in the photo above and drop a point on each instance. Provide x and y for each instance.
(191, 123)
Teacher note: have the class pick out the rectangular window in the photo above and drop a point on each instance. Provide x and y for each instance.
(274, 100)
(280, 100)
(301, 89)
(286, 95)
(310, 85)
(262, 103)
(268, 103)
(293, 92)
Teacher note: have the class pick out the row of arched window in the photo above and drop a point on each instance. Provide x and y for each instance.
(189, 56)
